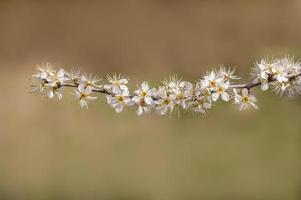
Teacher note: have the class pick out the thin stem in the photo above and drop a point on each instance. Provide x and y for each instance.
(237, 86)
(257, 83)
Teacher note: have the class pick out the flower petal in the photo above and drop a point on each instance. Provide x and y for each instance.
(144, 86)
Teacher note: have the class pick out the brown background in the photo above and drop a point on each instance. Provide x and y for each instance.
(54, 150)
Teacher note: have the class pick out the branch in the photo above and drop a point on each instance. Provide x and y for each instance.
(284, 73)
(257, 83)
(236, 86)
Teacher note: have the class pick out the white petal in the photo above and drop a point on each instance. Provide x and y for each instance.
(123, 81)
(254, 105)
(116, 90)
(152, 91)
(125, 92)
(118, 107)
(50, 94)
(59, 95)
(83, 103)
(139, 110)
(109, 99)
(91, 98)
(207, 105)
(149, 100)
(264, 86)
(144, 86)
(88, 90)
(77, 94)
(43, 75)
(136, 99)
(123, 87)
(244, 92)
(252, 98)
(129, 102)
(163, 110)
(61, 73)
(147, 109)
(225, 96)
(107, 87)
(215, 96)
(81, 88)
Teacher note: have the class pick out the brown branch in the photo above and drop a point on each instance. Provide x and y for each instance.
(238, 86)
(257, 83)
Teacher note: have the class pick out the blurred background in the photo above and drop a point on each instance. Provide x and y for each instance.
(54, 150)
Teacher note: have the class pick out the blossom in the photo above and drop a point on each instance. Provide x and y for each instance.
(227, 74)
(44, 71)
(200, 105)
(201, 100)
(210, 81)
(283, 75)
(279, 73)
(183, 93)
(74, 76)
(221, 90)
(116, 82)
(244, 100)
(90, 81)
(55, 82)
(261, 72)
(144, 98)
(119, 99)
(40, 79)
(164, 101)
(84, 95)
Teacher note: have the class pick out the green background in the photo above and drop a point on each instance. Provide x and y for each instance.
(54, 150)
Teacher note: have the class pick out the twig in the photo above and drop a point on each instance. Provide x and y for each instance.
(257, 83)
(237, 86)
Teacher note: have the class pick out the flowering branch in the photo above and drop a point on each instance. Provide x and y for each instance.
(283, 75)
(258, 83)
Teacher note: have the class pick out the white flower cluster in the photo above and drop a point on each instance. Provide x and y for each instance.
(284, 75)
(48, 81)
(280, 74)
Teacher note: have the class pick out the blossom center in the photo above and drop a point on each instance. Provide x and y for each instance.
(121, 98)
(245, 99)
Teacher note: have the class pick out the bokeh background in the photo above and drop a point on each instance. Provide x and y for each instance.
(54, 150)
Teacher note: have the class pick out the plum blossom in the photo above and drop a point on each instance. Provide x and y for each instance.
(282, 75)
(55, 82)
(164, 101)
(119, 99)
(83, 94)
(116, 82)
(244, 100)
(221, 90)
(144, 98)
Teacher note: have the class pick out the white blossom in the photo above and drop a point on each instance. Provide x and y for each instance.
(74, 76)
(144, 98)
(201, 100)
(83, 94)
(55, 82)
(279, 73)
(44, 71)
(119, 99)
(283, 75)
(164, 101)
(184, 93)
(40, 80)
(90, 81)
(263, 71)
(221, 90)
(210, 81)
(116, 82)
(227, 74)
(244, 100)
